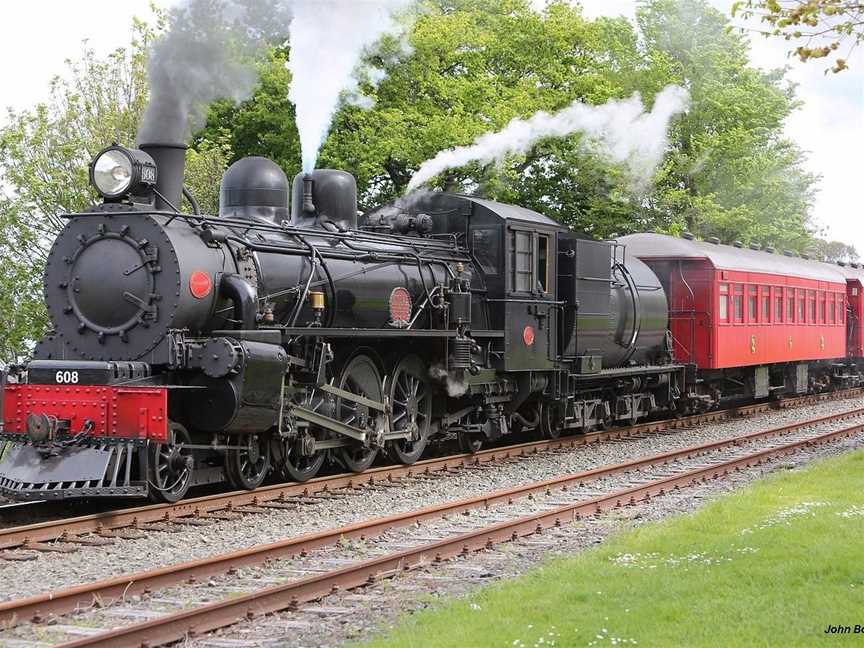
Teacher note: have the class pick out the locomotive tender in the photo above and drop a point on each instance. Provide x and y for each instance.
(283, 333)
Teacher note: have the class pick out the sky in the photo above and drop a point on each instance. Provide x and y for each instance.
(830, 125)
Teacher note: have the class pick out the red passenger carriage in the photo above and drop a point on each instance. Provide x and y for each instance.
(752, 321)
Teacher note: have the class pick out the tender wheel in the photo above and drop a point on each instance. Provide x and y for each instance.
(411, 400)
(247, 467)
(170, 466)
(360, 376)
(551, 424)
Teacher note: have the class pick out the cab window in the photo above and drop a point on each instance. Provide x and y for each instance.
(522, 262)
(486, 245)
(543, 263)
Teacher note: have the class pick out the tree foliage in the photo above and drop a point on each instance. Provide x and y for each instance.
(477, 64)
(826, 27)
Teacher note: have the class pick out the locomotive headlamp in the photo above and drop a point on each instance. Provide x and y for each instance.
(117, 172)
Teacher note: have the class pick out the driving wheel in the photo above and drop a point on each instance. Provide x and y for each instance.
(411, 402)
(360, 376)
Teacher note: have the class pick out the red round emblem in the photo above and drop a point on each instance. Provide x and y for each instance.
(528, 336)
(400, 306)
(200, 284)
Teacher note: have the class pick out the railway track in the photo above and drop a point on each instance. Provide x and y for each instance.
(66, 535)
(585, 494)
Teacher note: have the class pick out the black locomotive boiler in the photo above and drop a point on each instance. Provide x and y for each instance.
(287, 331)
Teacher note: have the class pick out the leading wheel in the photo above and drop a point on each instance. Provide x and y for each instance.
(170, 466)
(302, 467)
(411, 400)
(360, 376)
(293, 453)
(247, 466)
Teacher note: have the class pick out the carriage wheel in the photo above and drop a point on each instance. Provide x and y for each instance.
(247, 467)
(360, 376)
(170, 466)
(411, 400)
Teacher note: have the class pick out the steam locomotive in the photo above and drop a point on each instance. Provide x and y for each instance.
(282, 334)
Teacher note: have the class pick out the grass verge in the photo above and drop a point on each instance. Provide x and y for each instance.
(771, 565)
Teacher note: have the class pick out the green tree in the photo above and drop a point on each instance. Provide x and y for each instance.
(731, 172)
(44, 157)
(833, 251)
(825, 27)
(476, 64)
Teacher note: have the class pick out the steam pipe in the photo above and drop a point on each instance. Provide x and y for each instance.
(308, 203)
(243, 296)
(194, 203)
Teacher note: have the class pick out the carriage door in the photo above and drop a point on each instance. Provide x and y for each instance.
(530, 321)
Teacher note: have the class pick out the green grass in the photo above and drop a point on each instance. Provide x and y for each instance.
(771, 565)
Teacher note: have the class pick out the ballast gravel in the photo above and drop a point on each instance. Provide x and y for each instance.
(157, 549)
(361, 614)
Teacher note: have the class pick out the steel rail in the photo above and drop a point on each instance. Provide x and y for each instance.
(37, 608)
(275, 495)
(287, 596)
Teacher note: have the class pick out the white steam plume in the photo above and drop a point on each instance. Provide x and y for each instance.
(621, 129)
(328, 39)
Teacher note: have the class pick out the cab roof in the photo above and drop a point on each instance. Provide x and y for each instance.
(510, 212)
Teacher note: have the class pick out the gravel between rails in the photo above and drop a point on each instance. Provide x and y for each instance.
(54, 570)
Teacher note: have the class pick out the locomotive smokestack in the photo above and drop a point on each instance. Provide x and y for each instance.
(308, 202)
(170, 162)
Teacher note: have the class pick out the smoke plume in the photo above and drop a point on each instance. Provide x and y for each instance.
(208, 52)
(620, 129)
(328, 40)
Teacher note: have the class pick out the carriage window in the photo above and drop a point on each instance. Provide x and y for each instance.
(831, 309)
(802, 306)
(522, 261)
(766, 304)
(778, 304)
(752, 303)
(790, 305)
(543, 263)
(724, 302)
(486, 245)
(811, 300)
(822, 310)
(739, 303)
